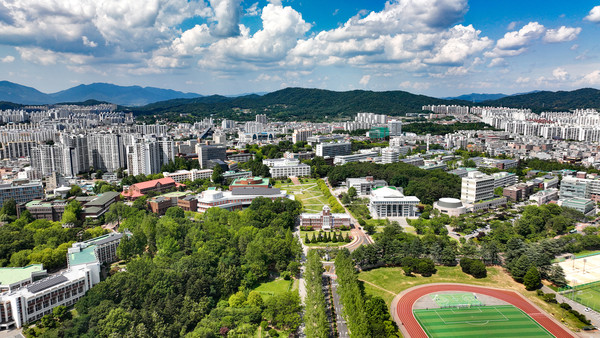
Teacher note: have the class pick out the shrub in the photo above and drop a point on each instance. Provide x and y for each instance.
(550, 298)
(273, 333)
(473, 267)
(565, 306)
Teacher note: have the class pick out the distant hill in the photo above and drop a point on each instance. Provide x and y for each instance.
(16, 93)
(122, 95)
(551, 101)
(294, 104)
(476, 97)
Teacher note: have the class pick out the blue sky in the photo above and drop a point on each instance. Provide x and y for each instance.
(433, 47)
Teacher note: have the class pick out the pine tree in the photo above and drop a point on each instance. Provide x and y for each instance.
(306, 240)
(320, 238)
(313, 239)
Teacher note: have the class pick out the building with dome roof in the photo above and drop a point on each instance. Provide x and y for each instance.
(452, 207)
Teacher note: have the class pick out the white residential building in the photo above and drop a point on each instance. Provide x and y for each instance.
(390, 155)
(300, 135)
(504, 179)
(147, 156)
(106, 152)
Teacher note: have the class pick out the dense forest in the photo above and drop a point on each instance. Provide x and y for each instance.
(194, 277)
(551, 101)
(291, 104)
(427, 185)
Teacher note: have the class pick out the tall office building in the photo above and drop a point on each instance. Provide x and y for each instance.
(106, 152)
(206, 153)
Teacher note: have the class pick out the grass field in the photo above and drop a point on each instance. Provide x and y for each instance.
(278, 286)
(388, 282)
(589, 297)
(488, 321)
(456, 299)
(308, 193)
(323, 244)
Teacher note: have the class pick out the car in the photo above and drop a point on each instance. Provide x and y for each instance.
(587, 309)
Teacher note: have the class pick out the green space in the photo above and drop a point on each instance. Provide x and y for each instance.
(456, 299)
(308, 193)
(276, 287)
(310, 234)
(589, 297)
(586, 253)
(491, 321)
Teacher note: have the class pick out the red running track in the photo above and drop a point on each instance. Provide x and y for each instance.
(405, 306)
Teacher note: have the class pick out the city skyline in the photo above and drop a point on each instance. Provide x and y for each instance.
(438, 48)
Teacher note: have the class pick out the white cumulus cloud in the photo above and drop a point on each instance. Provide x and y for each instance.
(560, 74)
(7, 59)
(365, 80)
(594, 15)
(562, 34)
(516, 40)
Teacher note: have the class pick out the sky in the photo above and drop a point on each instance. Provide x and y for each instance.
(439, 48)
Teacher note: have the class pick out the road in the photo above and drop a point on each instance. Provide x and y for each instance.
(592, 315)
(342, 327)
(362, 238)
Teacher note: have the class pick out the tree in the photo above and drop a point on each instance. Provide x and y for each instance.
(369, 228)
(175, 212)
(72, 214)
(498, 191)
(75, 191)
(9, 207)
(352, 192)
(217, 174)
(283, 310)
(532, 279)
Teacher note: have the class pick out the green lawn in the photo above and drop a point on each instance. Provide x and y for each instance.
(489, 321)
(589, 297)
(328, 244)
(586, 253)
(308, 193)
(278, 286)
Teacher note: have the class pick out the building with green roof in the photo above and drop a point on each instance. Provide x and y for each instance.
(16, 277)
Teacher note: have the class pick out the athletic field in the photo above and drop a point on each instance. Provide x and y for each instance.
(589, 296)
(480, 321)
(456, 300)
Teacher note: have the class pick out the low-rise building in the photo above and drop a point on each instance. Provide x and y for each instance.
(160, 204)
(237, 199)
(255, 182)
(189, 175)
(364, 185)
(544, 196)
(22, 191)
(518, 192)
(358, 157)
(142, 188)
(452, 207)
(287, 168)
(390, 202)
(40, 209)
(96, 206)
(325, 220)
(583, 205)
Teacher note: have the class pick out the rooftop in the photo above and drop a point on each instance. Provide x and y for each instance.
(84, 256)
(12, 275)
(103, 199)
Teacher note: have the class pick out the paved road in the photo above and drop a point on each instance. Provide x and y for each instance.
(592, 315)
(341, 322)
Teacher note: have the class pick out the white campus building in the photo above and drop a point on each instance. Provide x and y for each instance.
(476, 186)
(28, 293)
(283, 167)
(390, 202)
(189, 175)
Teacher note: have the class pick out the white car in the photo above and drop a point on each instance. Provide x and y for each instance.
(587, 309)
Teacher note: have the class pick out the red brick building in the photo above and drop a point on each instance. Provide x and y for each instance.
(140, 189)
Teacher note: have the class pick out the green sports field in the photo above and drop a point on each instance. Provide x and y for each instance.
(480, 321)
(589, 297)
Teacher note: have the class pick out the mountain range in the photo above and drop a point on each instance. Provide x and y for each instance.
(285, 104)
(122, 95)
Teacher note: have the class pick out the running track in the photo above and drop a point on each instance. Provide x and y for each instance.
(406, 301)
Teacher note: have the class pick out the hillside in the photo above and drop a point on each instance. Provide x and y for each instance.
(122, 95)
(16, 93)
(476, 97)
(551, 101)
(294, 104)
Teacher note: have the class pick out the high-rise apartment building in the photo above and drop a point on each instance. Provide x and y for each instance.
(106, 152)
(301, 135)
(395, 127)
